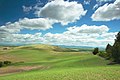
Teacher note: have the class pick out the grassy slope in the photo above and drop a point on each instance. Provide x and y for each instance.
(62, 65)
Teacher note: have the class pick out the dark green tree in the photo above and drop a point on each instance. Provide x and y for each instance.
(95, 51)
(118, 37)
(116, 49)
(108, 53)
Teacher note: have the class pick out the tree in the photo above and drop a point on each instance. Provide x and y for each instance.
(118, 37)
(108, 51)
(95, 51)
(114, 51)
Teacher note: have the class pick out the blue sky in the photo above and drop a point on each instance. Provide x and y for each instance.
(59, 22)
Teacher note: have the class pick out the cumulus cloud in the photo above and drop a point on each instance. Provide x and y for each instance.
(62, 11)
(107, 12)
(28, 38)
(54, 11)
(38, 23)
(21, 38)
(101, 2)
(96, 36)
(82, 36)
(3, 34)
(11, 27)
(26, 23)
(110, 36)
(89, 29)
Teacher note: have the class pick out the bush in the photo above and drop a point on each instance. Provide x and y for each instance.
(104, 55)
(7, 62)
(1, 63)
(4, 63)
(96, 50)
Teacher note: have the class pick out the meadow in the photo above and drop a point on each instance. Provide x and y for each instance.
(45, 62)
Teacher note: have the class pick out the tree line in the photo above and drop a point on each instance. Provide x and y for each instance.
(112, 52)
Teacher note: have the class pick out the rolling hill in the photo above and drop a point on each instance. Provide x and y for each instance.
(46, 62)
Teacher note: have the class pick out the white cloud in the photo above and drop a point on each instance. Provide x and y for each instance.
(4, 34)
(96, 6)
(53, 12)
(62, 11)
(99, 1)
(21, 38)
(77, 36)
(107, 12)
(27, 9)
(38, 5)
(87, 1)
(36, 23)
(110, 36)
(89, 29)
(28, 38)
(96, 36)
(12, 27)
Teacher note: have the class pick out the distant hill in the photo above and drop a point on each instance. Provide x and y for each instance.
(47, 47)
(81, 47)
(64, 46)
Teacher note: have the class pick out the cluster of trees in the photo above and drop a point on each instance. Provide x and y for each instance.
(112, 52)
(4, 63)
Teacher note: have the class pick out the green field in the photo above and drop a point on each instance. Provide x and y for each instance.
(54, 63)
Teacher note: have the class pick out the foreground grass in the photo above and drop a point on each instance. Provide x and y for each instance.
(94, 73)
(60, 65)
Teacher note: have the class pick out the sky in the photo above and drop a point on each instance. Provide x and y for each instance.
(91, 23)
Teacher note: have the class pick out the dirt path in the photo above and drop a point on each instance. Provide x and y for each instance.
(15, 69)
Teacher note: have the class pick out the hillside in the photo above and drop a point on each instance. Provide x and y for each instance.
(46, 62)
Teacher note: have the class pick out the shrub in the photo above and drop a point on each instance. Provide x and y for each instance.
(4, 63)
(96, 50)
(104, 55)
(1, 63)
(7, 62)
